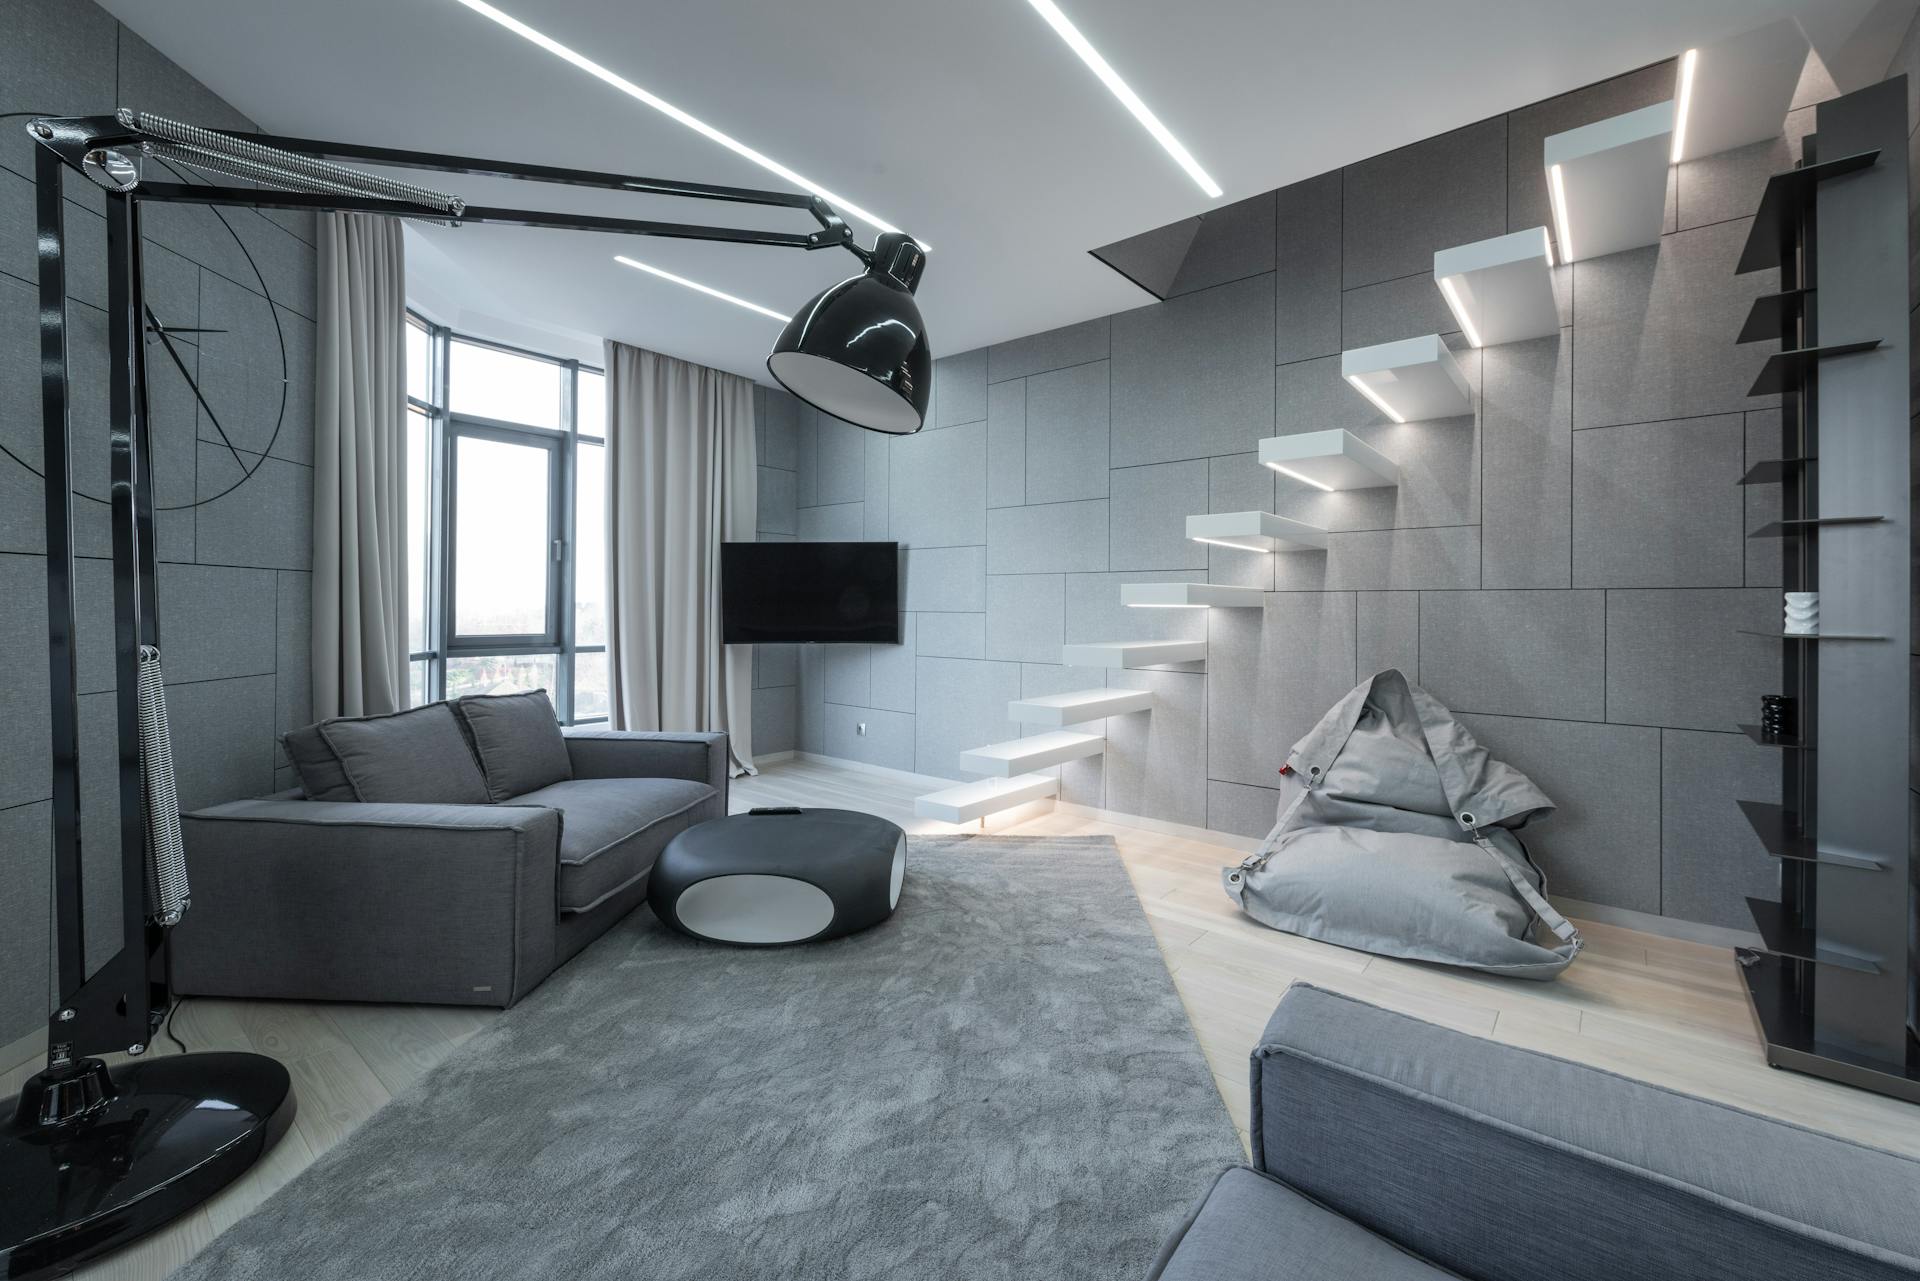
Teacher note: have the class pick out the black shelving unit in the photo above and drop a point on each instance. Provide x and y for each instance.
(1831, 986)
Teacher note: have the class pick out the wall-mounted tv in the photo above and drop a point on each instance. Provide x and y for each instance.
(830, 592)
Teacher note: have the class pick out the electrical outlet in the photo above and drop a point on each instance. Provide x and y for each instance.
(861, 729)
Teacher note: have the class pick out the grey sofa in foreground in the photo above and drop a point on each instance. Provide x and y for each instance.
(1387, 1149)
(451, 904)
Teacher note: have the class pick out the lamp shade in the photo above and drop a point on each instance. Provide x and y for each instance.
(859, 350)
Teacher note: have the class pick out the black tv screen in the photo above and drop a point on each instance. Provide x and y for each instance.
(831, 592)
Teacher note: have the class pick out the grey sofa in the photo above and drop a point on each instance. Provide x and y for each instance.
(448, 904)
(1388, 1149)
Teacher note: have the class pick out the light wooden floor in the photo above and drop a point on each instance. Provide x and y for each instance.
(1645, 1006)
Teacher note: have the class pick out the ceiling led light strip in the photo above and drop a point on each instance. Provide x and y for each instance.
(708, 290)
(665, 108)
(1065, 29)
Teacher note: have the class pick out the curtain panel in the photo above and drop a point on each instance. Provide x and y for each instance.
(683, 478)
(359, 646)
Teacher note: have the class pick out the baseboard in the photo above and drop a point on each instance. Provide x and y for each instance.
(771, 758)
(1666, 926)
(927, 781)
(1205, 835)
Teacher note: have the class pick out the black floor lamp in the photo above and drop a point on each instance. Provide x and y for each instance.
(92, 1157)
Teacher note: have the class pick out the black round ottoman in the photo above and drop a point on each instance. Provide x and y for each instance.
(762, 879)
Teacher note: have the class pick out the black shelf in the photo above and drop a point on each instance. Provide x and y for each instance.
(1772, 471)
(1770, 241)
(1771, 317)
(1810, 636)
(1784, 740)
(1784, 370)
(1780, 993)
(1783, 938)
(1786, 528)
(1785, 840)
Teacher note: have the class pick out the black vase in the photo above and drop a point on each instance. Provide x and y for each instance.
(1777, 719)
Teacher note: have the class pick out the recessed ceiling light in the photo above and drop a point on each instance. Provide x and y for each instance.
(1687, 61)
(1128, 98)
(840, 203)
(709, 290)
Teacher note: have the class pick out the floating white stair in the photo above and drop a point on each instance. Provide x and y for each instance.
(1036, 751)
(985, 796)
(1329, 460)
(1736, 92)
(1256, 532)
(1132, 653)
(1500, 290)
(1189, 596)
(1608, 182)
(1078, 707)
(1409, 380)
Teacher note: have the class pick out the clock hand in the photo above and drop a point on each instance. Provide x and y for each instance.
(181, 365)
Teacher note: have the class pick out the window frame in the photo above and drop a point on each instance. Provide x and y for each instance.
(445, 430)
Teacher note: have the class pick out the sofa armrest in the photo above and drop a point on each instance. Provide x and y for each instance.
(321, 900)
(613, 753)
(1487, 1158)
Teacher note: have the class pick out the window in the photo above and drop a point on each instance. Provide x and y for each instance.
(506, 523)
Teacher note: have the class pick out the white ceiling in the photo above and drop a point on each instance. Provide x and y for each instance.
(969, 124)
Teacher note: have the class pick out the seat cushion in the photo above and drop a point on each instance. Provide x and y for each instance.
(518, 740)
(1253, 1228)
(612, 829)
(416, 757)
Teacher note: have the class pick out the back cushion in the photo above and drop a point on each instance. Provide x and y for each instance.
(321, 778)
(517, 738)
(413, 757)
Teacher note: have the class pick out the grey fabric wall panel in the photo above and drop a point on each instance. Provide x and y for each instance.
(961, 385)
(1517, 653)
(1054, 349)
(1677, 658)
(773, 721)
(1232, 242)
(1529, 127)
(938, 487)
(810, 704)
(876, 505)
(951, 578)
(1238, 483)
(1306, 269)
(1728, 184)
(1385, 560)
(839, 522)
(943, 635)
(1713, 860)
(1190, 375)
(1066, 434)
(1659, 504)
(1654, 337)
(1394, 309)
(1603, 842)
(1007, 443)
(1054, 538)
(1148, 514)
(1156, 763)
(1526, 475)
(1026, 617)
(845, 674)
(1388, 635)
(1439, 479)
(843, 468)
(777, 427)
(777, 506)
(775, 666)
(1241, 809)
(964, 704)
(1310, 395)
(888, 739)
(1764, 567)
(1271, 675)
(1094, 611)
(233, 580)
(1400, 207)
(890, 674)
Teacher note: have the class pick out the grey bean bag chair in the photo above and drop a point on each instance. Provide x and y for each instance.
(1396, 836)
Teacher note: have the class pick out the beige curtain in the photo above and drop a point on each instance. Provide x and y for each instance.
(360, 468)
(681, 464)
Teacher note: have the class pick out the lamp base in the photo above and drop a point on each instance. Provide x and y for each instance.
(145, 1143)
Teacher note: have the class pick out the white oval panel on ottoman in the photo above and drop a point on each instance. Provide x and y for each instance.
(766, 879)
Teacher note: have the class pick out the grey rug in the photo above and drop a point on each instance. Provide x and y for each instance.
(998, 1082)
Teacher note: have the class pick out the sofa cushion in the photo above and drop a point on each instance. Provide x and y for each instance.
(1254, 1228)
(419, 756)
(517, 738)
(321, 778)
(612, 830)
